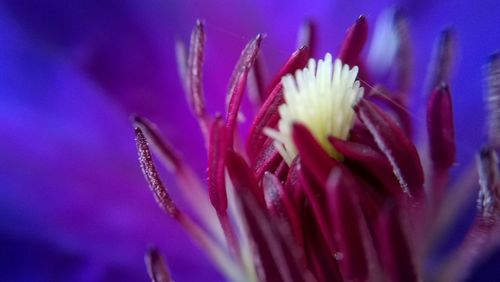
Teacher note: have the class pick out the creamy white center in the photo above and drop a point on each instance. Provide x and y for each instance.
(321, 96)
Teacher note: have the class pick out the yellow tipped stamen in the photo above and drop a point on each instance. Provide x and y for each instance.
(321, 97)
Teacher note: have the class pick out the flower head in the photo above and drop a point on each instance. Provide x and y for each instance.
(330, 185)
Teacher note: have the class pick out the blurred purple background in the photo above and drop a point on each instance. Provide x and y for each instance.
(73, 203)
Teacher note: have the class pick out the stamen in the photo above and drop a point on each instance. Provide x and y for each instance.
(493, 99)
(489, 182)
(321, 97)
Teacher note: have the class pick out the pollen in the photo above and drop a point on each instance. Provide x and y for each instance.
(321, 96)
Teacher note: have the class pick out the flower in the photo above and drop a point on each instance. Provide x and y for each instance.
(71, 206)
(308, 200)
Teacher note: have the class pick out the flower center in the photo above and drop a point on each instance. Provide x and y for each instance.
(321, 97)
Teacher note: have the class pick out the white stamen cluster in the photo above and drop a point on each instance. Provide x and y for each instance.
(321, 97)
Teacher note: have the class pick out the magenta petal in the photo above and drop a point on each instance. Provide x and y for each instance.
(374, 161)
(314, 158)
(273, 194)
(395, 254)
(440, 127)
(267, 159)
(268, 115)
(280, 205)
(395, 145)
(347, 222)
(245, 62)
(275, 258)
(297, 60)
(316, 164)
(293, 184)
(256, 84)
(237, 85)
(242, 176)
(316, 198)
(157, 269)
(354, 42)
(360, 134)
(281, 171)
(234, 107)
(396, 104)
(319, 256)
(216, 165)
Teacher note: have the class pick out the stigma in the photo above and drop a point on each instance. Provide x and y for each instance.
(321, 96)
